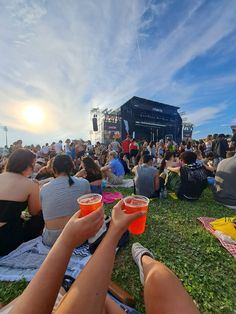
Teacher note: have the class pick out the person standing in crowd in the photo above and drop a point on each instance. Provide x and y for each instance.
(80, 149)
(160, 148)
(114, 171)
(189, 147)
(125, 146)
(233, 139)
(146, 178)
(67, 149)
(16, 194)
(152, 149)
(45, 151)
(115, 146)
(89, 148)
(208, 144)
(133, 148)
(182, 148)
(72, 150)
(225, 182)
(58, 147)
(202, 147)
(220, 148)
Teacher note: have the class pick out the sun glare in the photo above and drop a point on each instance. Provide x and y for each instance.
(33, 115)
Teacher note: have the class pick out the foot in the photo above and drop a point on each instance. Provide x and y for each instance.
(137, 252)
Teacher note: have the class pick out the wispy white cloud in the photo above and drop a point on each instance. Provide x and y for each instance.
(204, 115)
(69, 56)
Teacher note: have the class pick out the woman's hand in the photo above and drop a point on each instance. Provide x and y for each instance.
(120, 220)
(79, 229)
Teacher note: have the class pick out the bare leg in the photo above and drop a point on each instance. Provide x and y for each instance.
(163, 292)
(112, 308)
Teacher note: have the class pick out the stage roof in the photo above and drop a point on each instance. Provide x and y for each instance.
(135, 101)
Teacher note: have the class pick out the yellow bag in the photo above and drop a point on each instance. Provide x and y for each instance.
(227, 225)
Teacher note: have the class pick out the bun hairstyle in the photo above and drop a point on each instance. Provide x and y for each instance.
(64, 164)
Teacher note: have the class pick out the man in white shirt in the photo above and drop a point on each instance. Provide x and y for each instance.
(58, 147)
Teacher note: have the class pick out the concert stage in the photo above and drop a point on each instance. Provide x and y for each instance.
(150, 120)
(140, 118)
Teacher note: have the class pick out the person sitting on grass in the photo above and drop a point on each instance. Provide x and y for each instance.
(146, 178)
(91, 172)
(225, 182)
(114, 171)
(16, 194)
(193, 177)
(163, 291)
(125, 162)
(59, 197)
(46, 171)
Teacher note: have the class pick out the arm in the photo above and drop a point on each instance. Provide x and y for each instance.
(174, 169)
(34, 204)
(87, 294)
(156, 182)
(81, 174)
(105, 168)
(135, 169)
(41, 293)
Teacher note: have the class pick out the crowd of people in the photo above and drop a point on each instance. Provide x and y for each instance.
(48, 180)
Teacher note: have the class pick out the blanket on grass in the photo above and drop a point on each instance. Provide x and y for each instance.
(127, 183)
(231, 248)
(110, 197)
(24, 262)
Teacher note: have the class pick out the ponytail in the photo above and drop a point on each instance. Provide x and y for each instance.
(71, 181)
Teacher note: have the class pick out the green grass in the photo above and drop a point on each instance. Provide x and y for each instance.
(176, 238)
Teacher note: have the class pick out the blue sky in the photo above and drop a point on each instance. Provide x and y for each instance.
(68, 56)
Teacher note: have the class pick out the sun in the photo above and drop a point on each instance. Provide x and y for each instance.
(33, 115)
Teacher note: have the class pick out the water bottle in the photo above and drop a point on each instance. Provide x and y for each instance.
(165, 192)
(161, 195)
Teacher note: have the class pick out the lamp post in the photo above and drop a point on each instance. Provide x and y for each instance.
(6, 130)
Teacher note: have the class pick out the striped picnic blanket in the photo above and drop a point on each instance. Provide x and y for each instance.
(231, 248)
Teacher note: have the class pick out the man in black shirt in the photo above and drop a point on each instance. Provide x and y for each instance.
(193, 177)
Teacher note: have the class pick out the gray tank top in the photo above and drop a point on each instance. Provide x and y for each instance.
(59, 199)
(144, 180)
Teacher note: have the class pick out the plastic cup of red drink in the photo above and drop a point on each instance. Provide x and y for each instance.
(89, 203)
(136, 203)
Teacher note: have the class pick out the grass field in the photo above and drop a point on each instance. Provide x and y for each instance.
(173, 234)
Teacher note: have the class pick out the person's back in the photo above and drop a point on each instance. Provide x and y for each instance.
(115, 146)
(58, 147)
(145, 180)
(193, 177)
(59, 198)
(226, 182)
(125, 166)
(16, 194)
(117, 168)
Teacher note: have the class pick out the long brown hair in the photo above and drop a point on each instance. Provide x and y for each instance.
(90, 166)
(20, 160)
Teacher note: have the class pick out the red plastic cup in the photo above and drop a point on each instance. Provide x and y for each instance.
(136, 203)
(89, 203)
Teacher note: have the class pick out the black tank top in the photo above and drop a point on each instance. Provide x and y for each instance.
(11, 210)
